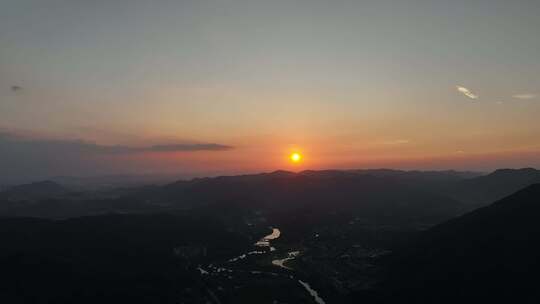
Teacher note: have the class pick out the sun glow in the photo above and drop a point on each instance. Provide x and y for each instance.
(296, 157)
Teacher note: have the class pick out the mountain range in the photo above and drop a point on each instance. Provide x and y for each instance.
(373, 236)
(488, 255)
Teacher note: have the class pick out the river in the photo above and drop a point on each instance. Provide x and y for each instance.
(290, 256)
(262, 244)
(312, 292)
(265, 242)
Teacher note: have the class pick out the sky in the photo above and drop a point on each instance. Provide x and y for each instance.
(234, 86)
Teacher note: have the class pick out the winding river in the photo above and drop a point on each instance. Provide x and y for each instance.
(264, 245)
(290, 256)
(265, 242)
(312, 292)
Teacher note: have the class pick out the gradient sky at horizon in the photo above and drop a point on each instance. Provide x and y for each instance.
(402, 84)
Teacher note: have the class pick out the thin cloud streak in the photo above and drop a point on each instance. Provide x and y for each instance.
(396, 142)
(188, 147)
(15, 88)
(8, 139)
(39, 157)
(526, 96)
(467, 92)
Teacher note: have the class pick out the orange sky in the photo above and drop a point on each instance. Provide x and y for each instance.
(403, 84)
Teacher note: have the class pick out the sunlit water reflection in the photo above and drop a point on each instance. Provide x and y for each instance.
(263, 244)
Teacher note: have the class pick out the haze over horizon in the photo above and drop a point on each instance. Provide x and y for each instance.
(224, 87)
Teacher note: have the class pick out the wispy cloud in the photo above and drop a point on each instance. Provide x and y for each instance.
(32, 156)
(396, 142)
(188, 147)
(79, 146)
(467, 92)
(524, 96)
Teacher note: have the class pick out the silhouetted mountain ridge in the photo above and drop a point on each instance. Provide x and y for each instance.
(494, 186)
(109, 258)
(489, 254)
(311, 192)
(34, 191)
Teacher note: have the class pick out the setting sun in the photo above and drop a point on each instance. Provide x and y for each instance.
(296, 157)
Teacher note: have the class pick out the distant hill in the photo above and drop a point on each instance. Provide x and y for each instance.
(382, 196)
(415, 175)
(488, 255)
(285, 194)
(107, 182)
(377, 193)
(34, 191)
(109, 258)
(485, 189)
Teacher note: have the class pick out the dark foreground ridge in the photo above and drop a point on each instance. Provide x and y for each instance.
(488, 255)
(352, 236)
